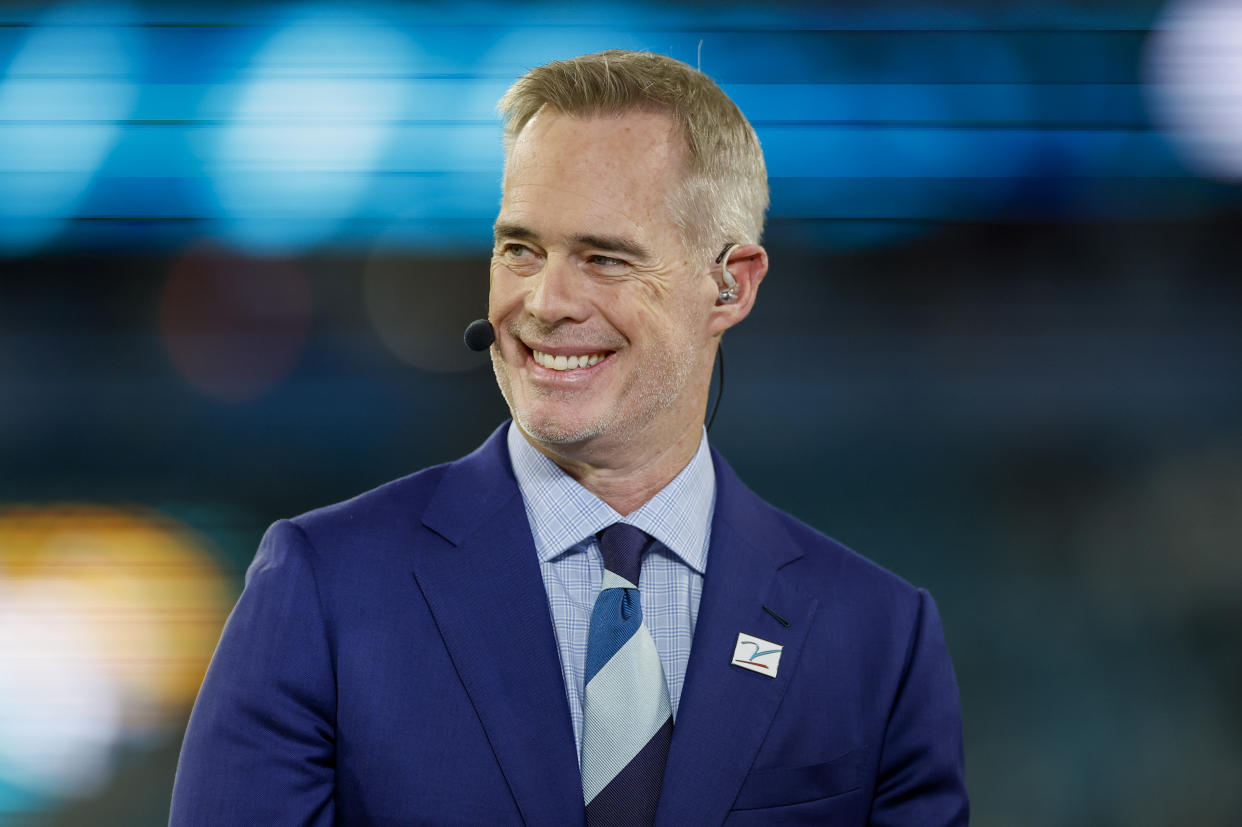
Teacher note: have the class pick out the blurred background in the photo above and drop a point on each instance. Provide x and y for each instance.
(999, 350)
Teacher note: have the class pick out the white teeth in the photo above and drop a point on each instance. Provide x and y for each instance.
(584, 360)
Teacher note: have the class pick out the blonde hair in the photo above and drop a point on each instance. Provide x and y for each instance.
(724, 191)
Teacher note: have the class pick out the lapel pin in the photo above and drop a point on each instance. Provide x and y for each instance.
(757, 655)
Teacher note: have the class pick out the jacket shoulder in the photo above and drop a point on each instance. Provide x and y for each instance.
(821, 545)
(396, 509)
(819, 561)
(401, 500)
(828, 567)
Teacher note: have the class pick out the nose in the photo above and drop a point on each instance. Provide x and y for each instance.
(557, 292)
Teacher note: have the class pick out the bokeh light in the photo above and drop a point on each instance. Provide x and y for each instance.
(419, 308)
(1194, 77)
(313, 115)
(60, 709)
(234, 325)
(61, 101)
(108, 617)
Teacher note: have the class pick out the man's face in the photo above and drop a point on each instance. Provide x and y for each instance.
(590, 270)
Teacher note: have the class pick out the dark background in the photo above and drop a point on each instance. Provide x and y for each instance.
(998, 350)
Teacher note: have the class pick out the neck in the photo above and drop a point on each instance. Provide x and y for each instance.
(627, 484)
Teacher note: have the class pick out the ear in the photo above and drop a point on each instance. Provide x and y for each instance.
(748, 263)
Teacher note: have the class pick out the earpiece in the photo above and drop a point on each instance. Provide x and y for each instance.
(729, 293)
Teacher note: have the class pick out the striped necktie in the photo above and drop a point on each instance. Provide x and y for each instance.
(627, 723)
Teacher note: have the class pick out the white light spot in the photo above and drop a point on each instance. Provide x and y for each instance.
(1194, 78)
(60, 707)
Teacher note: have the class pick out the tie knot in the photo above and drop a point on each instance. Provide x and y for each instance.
(622, 546)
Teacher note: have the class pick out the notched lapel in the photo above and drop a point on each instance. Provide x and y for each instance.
(725, 710)
(507, 659)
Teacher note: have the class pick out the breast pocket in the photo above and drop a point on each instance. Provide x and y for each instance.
(794, 785)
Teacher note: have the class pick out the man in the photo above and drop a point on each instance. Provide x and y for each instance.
(589, 618)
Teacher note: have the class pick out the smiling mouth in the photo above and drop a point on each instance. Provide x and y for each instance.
(564, 362)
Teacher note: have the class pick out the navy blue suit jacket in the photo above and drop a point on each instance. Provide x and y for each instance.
(392, 660)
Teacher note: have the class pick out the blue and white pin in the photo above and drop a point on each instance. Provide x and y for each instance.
(757, 654)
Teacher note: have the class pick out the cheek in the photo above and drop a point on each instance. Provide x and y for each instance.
(504, 290)
(667, 312)
(692, 313)
(664, 331)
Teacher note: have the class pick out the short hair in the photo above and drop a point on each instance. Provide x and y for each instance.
(724, 191)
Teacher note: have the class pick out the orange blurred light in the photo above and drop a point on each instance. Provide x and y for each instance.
(109, 619)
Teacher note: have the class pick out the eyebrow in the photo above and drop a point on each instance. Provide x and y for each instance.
(607, 243)
(613, 244)
(513, 231)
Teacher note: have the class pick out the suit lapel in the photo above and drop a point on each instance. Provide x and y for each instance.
(507, 659)
(726, 710)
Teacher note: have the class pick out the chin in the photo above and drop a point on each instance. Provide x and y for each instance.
(557, 432)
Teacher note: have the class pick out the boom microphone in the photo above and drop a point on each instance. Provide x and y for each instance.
(479, 335)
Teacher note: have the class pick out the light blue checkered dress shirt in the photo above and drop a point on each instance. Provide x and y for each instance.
(564, 519)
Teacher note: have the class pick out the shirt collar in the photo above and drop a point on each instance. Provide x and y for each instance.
(563, 513)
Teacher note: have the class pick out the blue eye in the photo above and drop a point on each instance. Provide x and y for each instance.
(606, 261)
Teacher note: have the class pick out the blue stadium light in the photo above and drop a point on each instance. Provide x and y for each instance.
(312, 117)
(1193, 71)
(63, 99)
